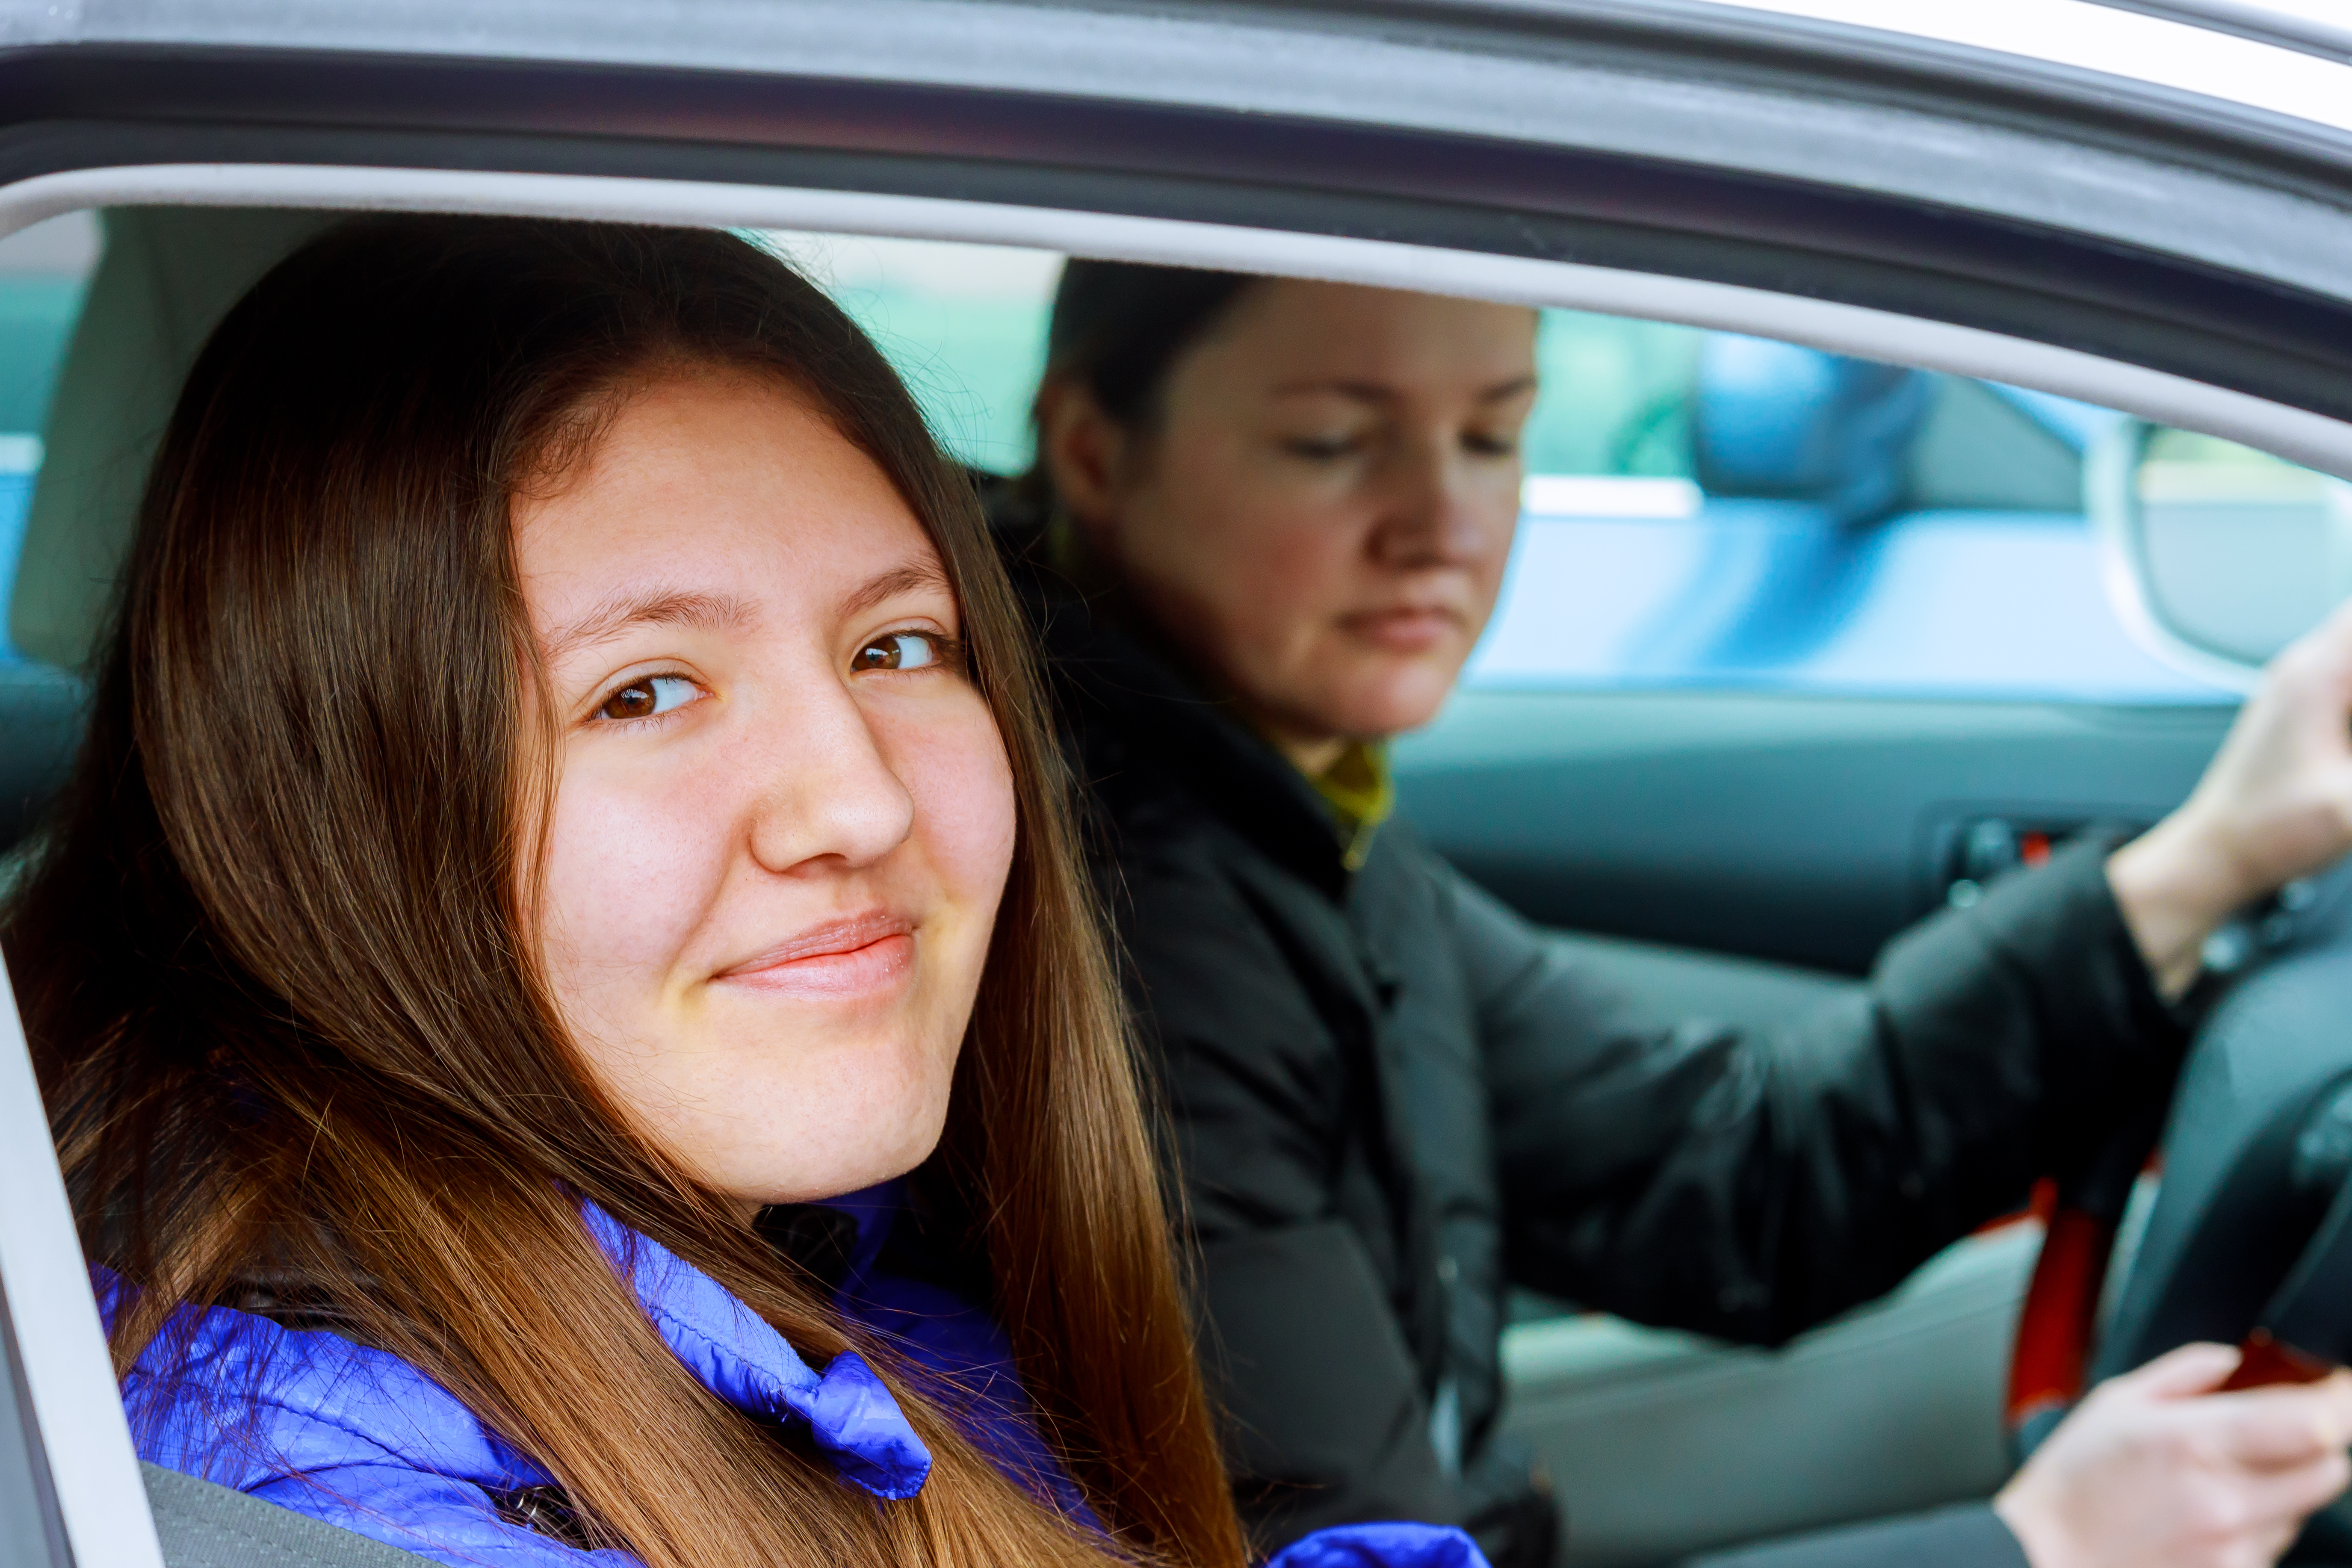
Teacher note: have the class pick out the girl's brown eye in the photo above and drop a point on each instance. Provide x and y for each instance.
(655, 694)
(896, 650)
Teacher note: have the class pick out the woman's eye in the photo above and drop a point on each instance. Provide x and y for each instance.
(649, 697)
(898, 650)
(1320, 448)
(1487, 444)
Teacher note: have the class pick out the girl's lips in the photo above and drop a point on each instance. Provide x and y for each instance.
(848, 958)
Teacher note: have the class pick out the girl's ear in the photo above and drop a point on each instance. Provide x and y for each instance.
(1086, 453)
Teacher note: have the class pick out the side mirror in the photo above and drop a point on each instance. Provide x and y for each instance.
(2216, 555)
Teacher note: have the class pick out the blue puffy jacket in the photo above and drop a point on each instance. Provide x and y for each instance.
(359, 1439)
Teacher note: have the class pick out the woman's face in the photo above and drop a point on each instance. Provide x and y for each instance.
(1322, 513)
(783, 814)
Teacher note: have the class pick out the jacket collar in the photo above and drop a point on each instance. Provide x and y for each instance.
(743, 1361)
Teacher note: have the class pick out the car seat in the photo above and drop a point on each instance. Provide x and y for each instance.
(202, 1525)
(166, 277)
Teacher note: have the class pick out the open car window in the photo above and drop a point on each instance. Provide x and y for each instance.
(1704, 512)
(1691, 515)
(1721, 713)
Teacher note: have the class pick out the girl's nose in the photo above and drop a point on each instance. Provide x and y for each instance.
(829, 794)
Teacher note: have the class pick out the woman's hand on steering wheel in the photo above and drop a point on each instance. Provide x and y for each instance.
(2156, 1470)
(2274, 803)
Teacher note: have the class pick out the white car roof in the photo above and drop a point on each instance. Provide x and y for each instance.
(2288, 57)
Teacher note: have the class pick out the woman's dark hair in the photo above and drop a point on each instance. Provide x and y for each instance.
(1118, 326)
(287, 1009)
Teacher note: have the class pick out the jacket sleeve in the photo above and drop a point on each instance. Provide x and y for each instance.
(1748, 1184)
(1326, 1422)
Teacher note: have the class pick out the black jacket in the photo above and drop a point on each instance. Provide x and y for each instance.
(1392, 1098)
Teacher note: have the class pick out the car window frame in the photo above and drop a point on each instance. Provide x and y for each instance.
(80, 1467)
(2315, 440)
(77, 1434)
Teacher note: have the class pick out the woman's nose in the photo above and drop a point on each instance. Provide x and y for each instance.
(1437, 512)
(829, 795)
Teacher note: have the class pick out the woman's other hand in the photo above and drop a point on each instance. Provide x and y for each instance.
(2156, 1470)
(2274, 803)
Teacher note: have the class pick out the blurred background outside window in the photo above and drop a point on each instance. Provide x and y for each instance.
(1702, 511)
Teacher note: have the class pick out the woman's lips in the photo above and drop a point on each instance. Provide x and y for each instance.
(856, 957)
(1409, 628)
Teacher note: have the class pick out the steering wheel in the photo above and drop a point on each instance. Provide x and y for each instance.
(2256, 1151)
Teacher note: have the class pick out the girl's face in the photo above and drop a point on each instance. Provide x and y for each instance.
(1323, 509)
(783, 814)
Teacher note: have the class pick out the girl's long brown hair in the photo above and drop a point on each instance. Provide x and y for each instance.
(288, 1014)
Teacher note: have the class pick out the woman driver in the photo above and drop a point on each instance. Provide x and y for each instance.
(1268, 520)
(564, 796)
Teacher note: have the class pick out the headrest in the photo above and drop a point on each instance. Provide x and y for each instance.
(1773, 421)
(166, 278)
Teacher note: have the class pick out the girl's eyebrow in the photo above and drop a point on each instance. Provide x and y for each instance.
(924, 575)
(702, 612)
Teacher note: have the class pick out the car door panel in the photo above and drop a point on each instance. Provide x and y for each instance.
(1804, 829)
(1663, 1444)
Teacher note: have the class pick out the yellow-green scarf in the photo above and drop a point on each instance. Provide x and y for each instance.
(1361, 794)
